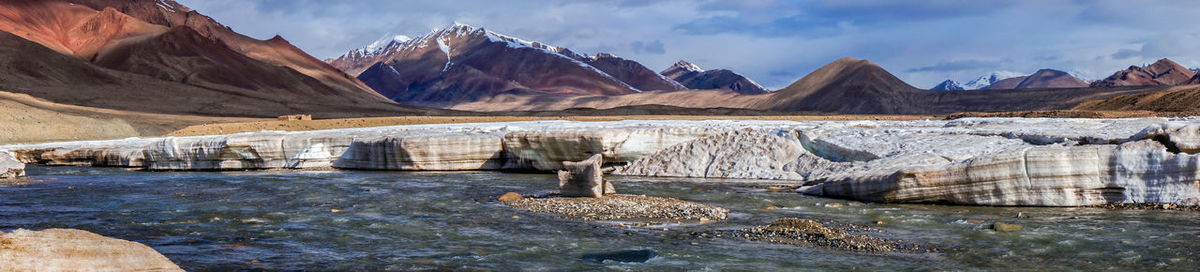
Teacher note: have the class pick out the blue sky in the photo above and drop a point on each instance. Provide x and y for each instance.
(773, 42)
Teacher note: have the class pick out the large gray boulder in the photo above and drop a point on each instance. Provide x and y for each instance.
(10, 167)
(584, 178)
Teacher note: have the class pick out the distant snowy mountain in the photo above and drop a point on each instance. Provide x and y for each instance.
(989, 79)
(948, 85)
(693, 77)
(1195, 70)
(357, 60)
(462, 63)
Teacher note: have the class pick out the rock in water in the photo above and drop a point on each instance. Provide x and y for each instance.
(510, 197)
(584, 178)
(624, 256)
(1005, 227)
(10, 167)
(75, 250)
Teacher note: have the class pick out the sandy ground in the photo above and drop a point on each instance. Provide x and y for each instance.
(226, 128)
(25, 119)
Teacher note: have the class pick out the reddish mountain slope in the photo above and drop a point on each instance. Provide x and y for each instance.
(275, 51)
(73, 54)
(71, 29)
(1162, 72)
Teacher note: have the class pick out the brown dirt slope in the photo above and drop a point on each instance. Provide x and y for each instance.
(847, 85)
(1180, 99)
(27, 119)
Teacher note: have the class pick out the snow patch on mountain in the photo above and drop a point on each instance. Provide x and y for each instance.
(689, 66)
(460, 30)
(989, 79)
(760, 86)
(442, 44)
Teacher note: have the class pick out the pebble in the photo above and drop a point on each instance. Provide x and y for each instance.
(806, 232)
(623, 207)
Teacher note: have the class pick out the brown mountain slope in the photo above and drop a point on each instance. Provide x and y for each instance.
(1050, 78)
(693, 77)
(632, 73)
(1162, 72)
(71, 29)
(847, 85)
(72, 54)
(30, 68)
(275, 51)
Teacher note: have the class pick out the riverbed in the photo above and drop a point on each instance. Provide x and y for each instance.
(393, 220)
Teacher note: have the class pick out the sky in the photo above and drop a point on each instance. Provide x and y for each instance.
(774, 42)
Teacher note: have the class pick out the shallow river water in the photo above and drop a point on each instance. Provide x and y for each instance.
(351, 220)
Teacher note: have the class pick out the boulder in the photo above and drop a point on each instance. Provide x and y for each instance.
(584, 178)
(1006, 227)
(510, 197)
(76, 250)
(10, 167)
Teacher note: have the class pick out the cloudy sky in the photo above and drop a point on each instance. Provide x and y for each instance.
(773, 42)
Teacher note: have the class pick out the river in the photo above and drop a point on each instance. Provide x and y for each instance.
(362, 220)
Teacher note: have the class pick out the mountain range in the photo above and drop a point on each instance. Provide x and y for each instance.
(159, 56)
(462, 63)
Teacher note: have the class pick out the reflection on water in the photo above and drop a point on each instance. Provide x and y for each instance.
(349, 220)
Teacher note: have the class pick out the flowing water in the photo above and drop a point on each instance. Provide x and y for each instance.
(351, 220)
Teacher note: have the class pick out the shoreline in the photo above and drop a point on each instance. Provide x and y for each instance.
(919, 161)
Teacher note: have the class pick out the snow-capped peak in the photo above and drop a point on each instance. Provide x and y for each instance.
(989, 79)
(688, 66)
(383, 42)
(1195, 70)
(948, 85)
